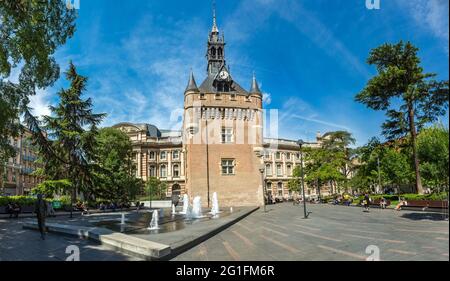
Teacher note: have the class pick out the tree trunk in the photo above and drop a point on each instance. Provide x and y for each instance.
(412, 130)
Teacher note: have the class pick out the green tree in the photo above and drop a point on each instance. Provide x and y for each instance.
(50, 188)
(69, 152)
(401, 78)
(156, 189)
(433, 152)
(30, 33)
(116, 177)
(396, 167)
(331, 162)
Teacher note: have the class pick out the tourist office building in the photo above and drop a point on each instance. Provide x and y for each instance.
(220, 147)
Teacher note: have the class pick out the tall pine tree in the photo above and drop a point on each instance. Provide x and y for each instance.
(69, 150)
(401, 80)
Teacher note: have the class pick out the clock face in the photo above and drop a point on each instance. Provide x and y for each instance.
(223, 75)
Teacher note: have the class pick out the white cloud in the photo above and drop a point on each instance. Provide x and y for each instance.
(430, 16)
(40, 103)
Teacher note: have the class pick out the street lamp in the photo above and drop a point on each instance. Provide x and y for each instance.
(300, 144)
(261, 170)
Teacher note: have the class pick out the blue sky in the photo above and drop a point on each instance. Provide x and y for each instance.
(308, 56)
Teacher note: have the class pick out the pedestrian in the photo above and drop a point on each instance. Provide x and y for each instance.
(175, 199)
(366, 202)
(40, 209)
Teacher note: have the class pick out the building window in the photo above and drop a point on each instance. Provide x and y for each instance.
(269, 187)
(163, 155)
(233, 97)
(163, 171)
(227, 135)
(280, 189)
(227, 167)
(202, 96)
(266, 155)
(152, 172)
(176, 154)
(289, 170)
(278, 155)
(279, 170)
(297, 155)
(288, 156)
(176, 171)
(152, 155)
(268, 170)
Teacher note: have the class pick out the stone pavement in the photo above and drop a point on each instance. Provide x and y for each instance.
(331, 233)
(17, 244)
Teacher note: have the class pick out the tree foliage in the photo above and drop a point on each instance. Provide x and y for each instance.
(156, 189)
(30, 33)
(69, 150)
(433, 152)
(116, 180)
(401, 78)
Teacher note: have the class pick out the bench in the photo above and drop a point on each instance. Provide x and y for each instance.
(426, 204)
(376, 203)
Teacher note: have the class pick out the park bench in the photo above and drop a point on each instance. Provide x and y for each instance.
(428, 205)
(376, 203)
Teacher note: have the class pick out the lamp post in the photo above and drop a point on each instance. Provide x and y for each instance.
(261, 170)
(300, 144)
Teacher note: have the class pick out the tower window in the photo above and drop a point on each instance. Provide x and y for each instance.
(227, 135)
(227, 167)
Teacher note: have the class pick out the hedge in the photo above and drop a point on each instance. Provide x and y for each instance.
(29, 201)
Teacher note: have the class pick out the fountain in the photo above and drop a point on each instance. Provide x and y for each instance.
(174, 211)
(122, 221)
(154, 222)
(231, 209)
(197, 208)
(185, 204)
(215, 205)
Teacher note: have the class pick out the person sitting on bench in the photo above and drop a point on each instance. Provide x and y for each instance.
(383, 203)
(400, 204)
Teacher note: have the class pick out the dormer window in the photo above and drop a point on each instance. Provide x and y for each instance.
(202, 96)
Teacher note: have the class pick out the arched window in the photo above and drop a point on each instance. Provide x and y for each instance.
(219, 52)
(176, 171)
(152, 171)
(213, 52)
(280, 189)
(268, 170)
(163, 155)
(279, 170)
(152, 155)
(163, 171)
(289, 170)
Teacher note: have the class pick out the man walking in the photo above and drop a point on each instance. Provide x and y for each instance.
(40, 209)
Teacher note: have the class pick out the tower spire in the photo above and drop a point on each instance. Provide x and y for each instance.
(192, 86)
(255, 88)
(214, 28)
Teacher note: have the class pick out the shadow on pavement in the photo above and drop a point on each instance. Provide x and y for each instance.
(425, 216)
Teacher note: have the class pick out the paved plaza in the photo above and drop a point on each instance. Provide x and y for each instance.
(331, 233)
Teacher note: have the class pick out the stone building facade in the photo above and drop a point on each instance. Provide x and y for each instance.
(16, 174)
(220, 147)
